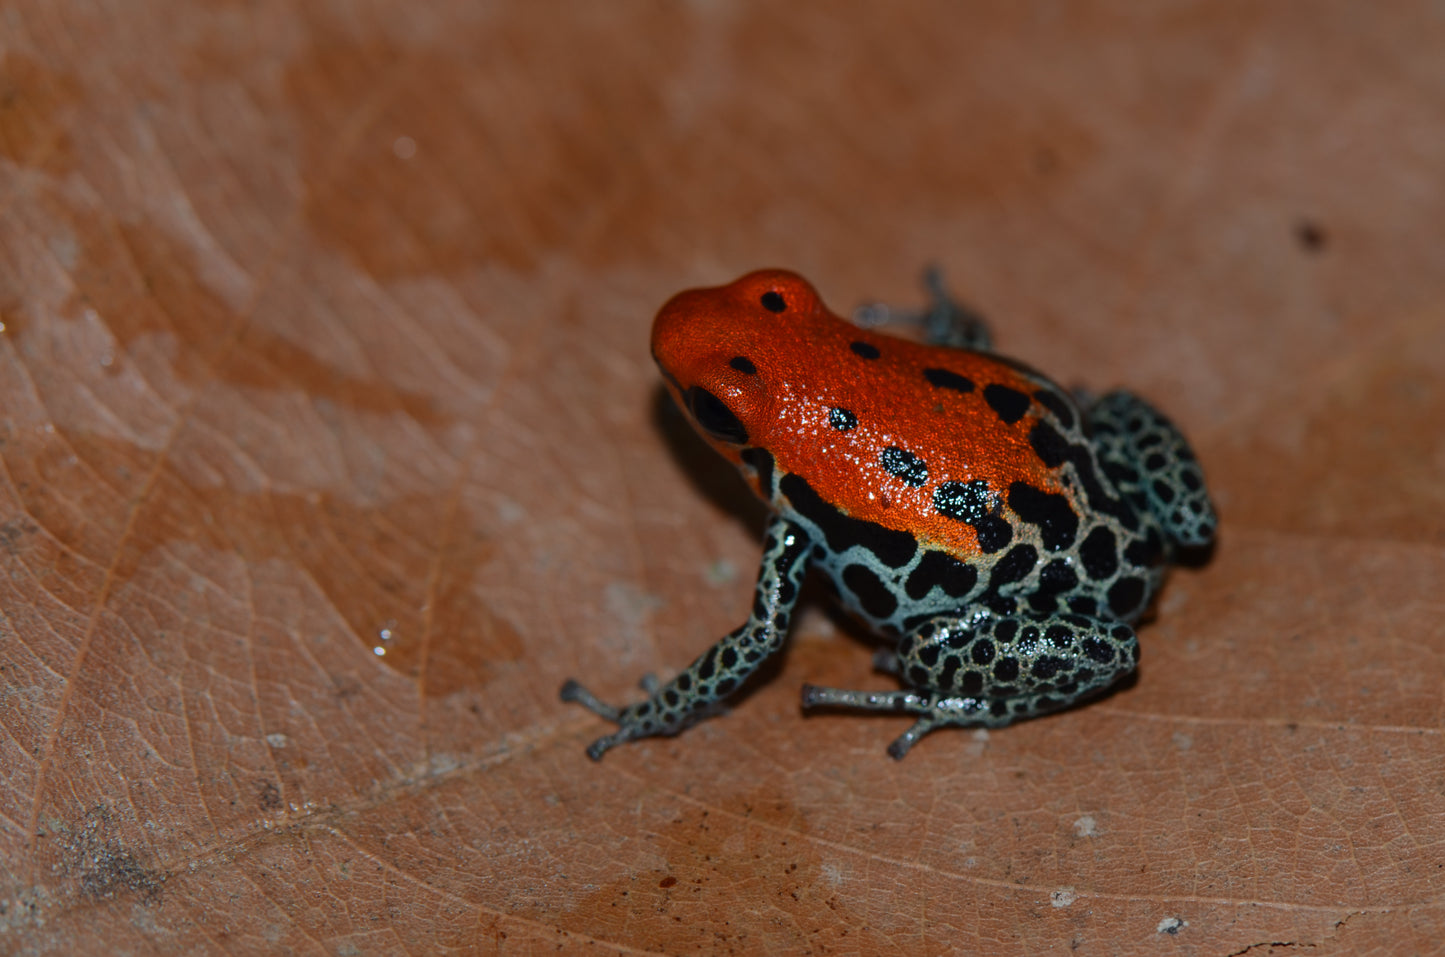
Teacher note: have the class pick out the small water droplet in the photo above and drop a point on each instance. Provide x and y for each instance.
(378, 651)
(404, 147)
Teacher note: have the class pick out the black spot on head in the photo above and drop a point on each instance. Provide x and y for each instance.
(773, 301)
(1010, 404)
(842, 419)
(1050, 511)
(708, 665)
(972, 683)
(873, 595)
(1100, 651)
(902, 464)
(1126, 595)
(1005, 630)
(928, 654)
(729, 658)
(1156, 461)
(714, 416)
(1060, 636)
(1057, 404)
(1163, 491)
(1191, 479)
(893, 548)
(1099, 554)
(865, 349)
(965, 501)
(743, 364)
(762, 462)
(982, 652)
(683, 682)
(724, 686)
(1006, 669)
(944, 379)
(941, 569)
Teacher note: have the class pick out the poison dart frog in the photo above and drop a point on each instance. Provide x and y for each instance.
(1001, 534)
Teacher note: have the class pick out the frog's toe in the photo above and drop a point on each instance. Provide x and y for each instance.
(904, 742)
(573, 692)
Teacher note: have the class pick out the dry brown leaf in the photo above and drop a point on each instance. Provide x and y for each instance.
(325, 333)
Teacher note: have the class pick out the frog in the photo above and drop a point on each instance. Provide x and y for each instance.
(1000, 534)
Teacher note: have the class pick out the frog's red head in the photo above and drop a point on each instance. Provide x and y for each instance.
(711, 344)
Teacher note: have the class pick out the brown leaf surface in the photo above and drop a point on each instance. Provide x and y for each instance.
(325, 332)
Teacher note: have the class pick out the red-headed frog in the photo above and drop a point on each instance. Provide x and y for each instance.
(1002, 534)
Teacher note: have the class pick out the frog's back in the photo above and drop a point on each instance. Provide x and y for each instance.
(929, 477)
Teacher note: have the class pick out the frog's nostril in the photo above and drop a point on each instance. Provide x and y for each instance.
(715, 417)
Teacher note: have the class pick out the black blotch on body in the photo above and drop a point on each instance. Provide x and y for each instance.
(1125, 595)
(893, 548)
(941, 569)
(762, 462)
(1057, 404)
(903, 464)
(1010, 404)
(993, 533)
(743, 364)
(944, 379)
(1013, 566)
(965, 501)
(1146, 552)
(773, 301)
(865, 349)
(1099, 554)
(872, 594)
(1050, 511)
(842, 420)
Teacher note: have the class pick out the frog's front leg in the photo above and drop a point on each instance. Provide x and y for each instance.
(987, 670)
(946, 321)
(702, 686)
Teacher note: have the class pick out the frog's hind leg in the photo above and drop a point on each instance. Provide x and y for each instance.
(945, 322)
(1151, 462)
(988, 671)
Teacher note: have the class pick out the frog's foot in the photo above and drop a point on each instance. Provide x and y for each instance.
(945, 322)
(936, 711)
(1150, 460)
(642, 720)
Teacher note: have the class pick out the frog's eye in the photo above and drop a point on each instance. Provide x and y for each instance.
(773, 301)
(715, 417)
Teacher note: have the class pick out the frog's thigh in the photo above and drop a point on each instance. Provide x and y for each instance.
(1021, 665)
(987, 671)
(1168, 474)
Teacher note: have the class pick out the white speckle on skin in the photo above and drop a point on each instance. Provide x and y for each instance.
(1063, 897)
(277, 740)
(1086, 826)
(833, 874)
